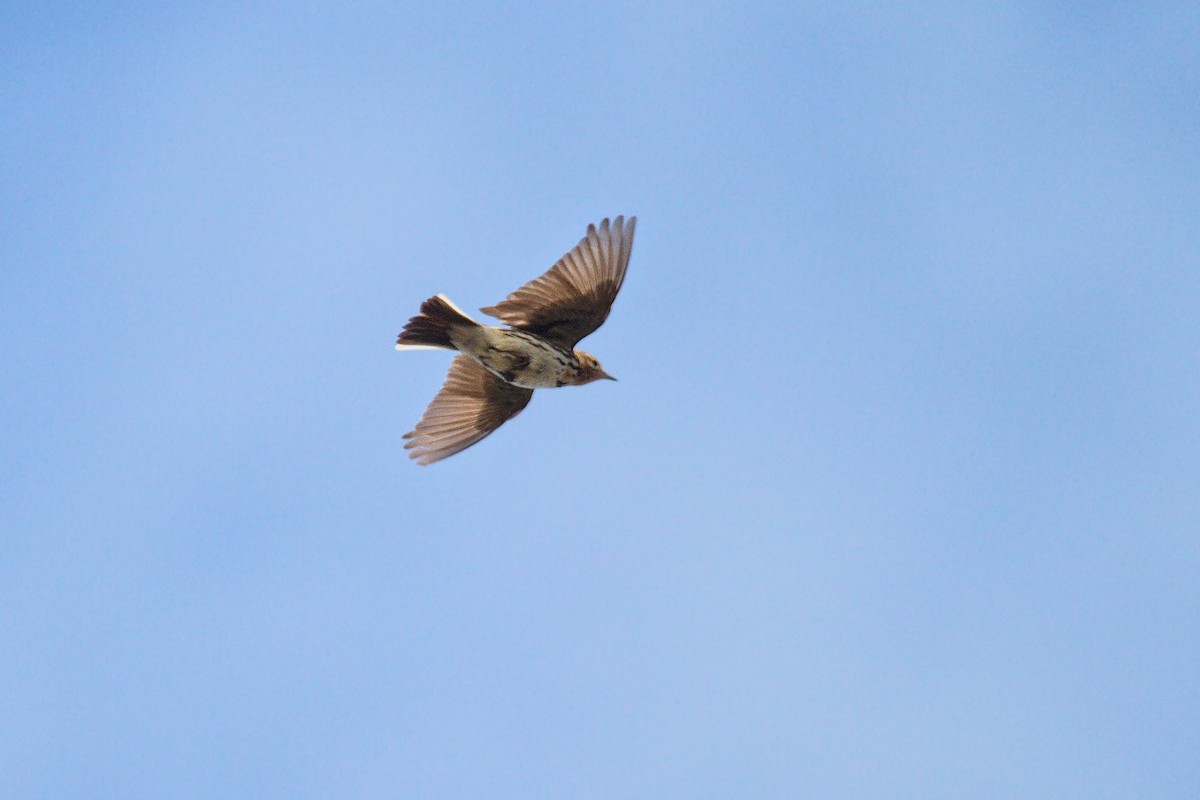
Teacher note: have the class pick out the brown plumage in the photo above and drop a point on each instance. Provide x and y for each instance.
(431, 328)
(471, 404)
(573, 298)
(494, 375)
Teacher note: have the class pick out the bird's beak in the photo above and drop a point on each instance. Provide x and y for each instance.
(609, 377)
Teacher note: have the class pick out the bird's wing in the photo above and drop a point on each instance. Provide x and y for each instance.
(574, 296)
(471, 404)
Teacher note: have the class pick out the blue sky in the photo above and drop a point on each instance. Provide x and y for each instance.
(897, 495)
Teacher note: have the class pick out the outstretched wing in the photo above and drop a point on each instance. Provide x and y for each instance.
(573, 298)
(471, 404)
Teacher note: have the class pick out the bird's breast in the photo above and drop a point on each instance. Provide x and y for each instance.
(522, 359)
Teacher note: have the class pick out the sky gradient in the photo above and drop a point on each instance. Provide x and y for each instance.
(897, 495)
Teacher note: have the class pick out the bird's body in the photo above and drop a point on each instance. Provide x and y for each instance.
(497, 369)
(515, 357)
(524, 359)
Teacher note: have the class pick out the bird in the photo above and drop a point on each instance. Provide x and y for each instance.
(496, 369)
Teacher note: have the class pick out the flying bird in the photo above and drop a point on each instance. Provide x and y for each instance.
(496, 370)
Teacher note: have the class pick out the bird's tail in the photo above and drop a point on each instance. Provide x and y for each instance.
(433, 326)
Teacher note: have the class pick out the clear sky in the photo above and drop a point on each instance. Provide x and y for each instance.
(898, 494)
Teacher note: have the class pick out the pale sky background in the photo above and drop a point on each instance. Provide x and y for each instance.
(898, 495)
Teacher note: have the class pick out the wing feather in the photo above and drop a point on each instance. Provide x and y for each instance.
(471, 404)
(573, 298)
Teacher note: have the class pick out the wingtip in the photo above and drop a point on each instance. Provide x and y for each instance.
(623, 225)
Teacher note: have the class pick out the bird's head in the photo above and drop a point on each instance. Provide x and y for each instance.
(590, 368)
